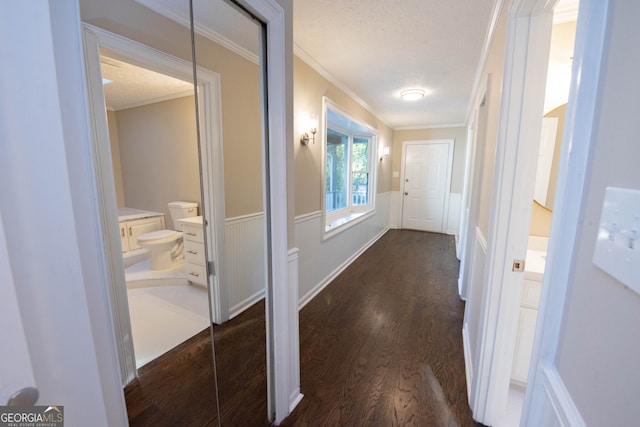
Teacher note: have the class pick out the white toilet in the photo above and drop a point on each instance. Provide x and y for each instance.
(166, 245)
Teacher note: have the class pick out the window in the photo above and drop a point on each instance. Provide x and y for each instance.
(348, 169)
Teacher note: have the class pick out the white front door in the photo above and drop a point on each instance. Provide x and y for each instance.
(425, 186)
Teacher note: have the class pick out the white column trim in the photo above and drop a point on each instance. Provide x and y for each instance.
(527, 53)
(281, 336)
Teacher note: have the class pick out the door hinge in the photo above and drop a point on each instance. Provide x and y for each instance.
(212, 268)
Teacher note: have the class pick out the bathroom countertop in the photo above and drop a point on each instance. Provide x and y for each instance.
(534, 264)
(128, 214)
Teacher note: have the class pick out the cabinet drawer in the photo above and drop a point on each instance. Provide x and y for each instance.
(196, 273)
(531, 294)
(194, 252)
(193, 232)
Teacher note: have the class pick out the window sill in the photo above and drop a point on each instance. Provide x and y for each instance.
(345, 222)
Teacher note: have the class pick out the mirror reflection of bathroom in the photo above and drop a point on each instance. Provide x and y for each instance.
(229, 43)
(152, 132)
(555, 107)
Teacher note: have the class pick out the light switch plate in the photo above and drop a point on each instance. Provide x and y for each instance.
(396, 174)
(618, 245)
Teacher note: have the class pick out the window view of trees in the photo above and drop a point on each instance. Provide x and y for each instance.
(347, 156)
(336, 172)
(349, 152)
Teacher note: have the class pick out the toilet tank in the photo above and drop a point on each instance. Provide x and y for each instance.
(179, 210)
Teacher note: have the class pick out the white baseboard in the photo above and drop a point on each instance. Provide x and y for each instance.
(564, 408)
(468, 362)
(246, 303)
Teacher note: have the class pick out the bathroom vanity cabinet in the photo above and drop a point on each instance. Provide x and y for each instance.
(132, 228)
(526, 330)
(194, 256)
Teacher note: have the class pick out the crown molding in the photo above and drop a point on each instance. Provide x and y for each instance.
(202, 30)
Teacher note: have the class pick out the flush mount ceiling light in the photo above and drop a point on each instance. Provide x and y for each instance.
(412, 94)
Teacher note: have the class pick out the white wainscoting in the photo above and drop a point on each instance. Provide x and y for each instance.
(453, 217)
(452, 220)
(558, 408)
(320, 261)
(395, 210)
(245, 259)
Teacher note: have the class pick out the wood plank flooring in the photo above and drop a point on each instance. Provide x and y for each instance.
(380, 346)
(177, 389)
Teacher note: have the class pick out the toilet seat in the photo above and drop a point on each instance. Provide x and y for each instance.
(159, 237)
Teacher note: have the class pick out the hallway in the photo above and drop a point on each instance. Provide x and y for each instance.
(382, 345)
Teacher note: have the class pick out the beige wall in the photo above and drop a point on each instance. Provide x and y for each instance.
(309, 88)
(540, 220)
(240, 91)
(541, 216)
(599, 347)
(159, 155)
(560, 113)
(115, 157)
(492, 73)
(458, 134)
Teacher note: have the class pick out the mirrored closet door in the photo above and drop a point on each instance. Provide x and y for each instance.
(228, 42)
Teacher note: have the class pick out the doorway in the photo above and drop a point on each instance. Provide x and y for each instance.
(502, 276)
(426, 181)
(144, 57)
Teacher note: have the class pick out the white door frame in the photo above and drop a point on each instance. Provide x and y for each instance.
(212, 171)
(524, 81)
(283, 360)
(79, 361)
(450, 146)
(545, 390)
(473, 168)
(527, 52)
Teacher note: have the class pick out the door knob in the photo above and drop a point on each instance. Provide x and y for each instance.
(27, 396)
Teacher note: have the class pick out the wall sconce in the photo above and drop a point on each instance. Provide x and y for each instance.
(313, 128)
(384, 153)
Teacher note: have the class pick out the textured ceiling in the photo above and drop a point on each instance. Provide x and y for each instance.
(379, 47)
(374, 48)
(132, 86)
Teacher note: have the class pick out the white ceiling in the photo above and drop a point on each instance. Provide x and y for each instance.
(380, 47)
(132, 86)
(373, 49)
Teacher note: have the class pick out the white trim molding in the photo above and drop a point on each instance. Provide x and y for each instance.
(282, 328)
(556, 407)
(294, 372)
(207, 32)
(525, 69)
(573, 178)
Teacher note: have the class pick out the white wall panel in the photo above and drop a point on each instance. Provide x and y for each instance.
(320, 261)
(245, 262)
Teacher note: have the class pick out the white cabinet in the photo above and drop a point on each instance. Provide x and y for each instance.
(526, 330)
(194, 256)
(131, 229)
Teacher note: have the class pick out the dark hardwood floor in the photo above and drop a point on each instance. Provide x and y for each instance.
(177, 388)
(380, 346)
